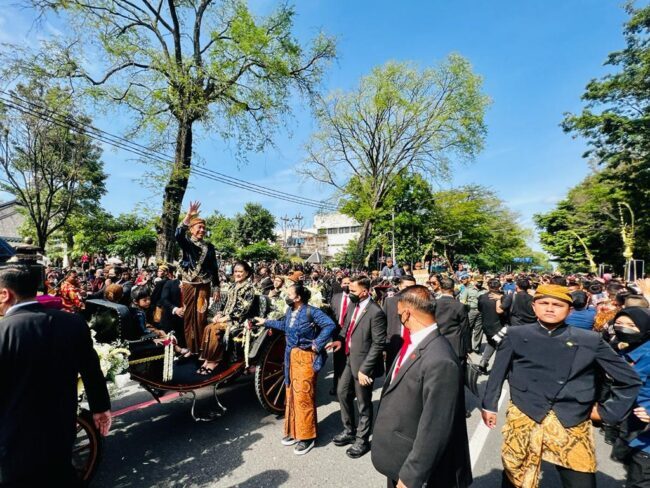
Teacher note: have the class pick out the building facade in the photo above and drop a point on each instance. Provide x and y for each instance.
(10, 222)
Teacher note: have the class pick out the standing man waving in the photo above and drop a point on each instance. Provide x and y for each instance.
(362, 338)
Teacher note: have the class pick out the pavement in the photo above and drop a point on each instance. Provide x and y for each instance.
(162, 446)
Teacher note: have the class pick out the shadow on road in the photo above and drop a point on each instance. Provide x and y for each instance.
(272, 477)
(550, 479)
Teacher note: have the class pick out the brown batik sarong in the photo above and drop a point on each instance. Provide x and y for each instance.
(526, 443)
(196, 299)
(300, 416)
(211, 349)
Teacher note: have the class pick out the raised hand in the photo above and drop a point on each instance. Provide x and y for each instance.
(193, 208)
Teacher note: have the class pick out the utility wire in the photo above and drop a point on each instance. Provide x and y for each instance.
(141, 150)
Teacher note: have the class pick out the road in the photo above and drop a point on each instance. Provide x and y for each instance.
(162, 446)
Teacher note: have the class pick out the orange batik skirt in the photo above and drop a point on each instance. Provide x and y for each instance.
(300, 415)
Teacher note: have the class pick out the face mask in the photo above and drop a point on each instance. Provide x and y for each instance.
(354, 298)
(401, 321)
(346, 289)
(629, 336)
(289, 301)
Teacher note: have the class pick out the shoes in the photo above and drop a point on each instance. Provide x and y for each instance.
(358, 449)
(288, 441)
(303, 447)
(343, 439)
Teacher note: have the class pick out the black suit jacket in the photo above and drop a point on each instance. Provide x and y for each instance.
(394, 339)
(453, 322)
(42, 352)
(367, 341)
(170, 298)
(420, 435)
(336, 307)
(558, 372)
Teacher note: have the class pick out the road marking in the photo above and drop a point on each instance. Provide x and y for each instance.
(480, 435)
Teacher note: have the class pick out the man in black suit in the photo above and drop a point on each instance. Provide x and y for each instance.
(394, 330)
(362, 339)
(453, 320)
(552, 370)
(420, 437)
(42, 352)
(340, 306)
(172, 310)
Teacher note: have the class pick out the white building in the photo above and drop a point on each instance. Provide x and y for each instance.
(339, 229)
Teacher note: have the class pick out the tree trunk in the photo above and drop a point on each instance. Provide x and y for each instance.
(174, 193)
(366, 232)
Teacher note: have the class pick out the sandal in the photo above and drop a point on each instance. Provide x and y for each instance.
(203, 371)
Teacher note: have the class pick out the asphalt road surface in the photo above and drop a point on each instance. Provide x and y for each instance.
(162, 446)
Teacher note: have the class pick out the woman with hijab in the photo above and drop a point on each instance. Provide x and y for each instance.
(632, 329)
(307, 330)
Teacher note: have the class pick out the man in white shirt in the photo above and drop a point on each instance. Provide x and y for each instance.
(420, 437)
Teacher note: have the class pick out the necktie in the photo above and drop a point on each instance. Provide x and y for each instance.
(348, 335)
(406, 335)
(344, 311)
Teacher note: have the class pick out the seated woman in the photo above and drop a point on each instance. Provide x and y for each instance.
(307, 330)
(239, 300)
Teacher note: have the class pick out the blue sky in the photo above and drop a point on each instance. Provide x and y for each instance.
(535, 58)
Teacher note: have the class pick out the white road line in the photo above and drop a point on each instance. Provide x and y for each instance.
(480, 435)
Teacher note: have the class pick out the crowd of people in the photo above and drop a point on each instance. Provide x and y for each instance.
(575, 351)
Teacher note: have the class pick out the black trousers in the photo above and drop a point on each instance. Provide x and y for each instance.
(638, 470)
(338, 359)
(63, 475)
(568, 477)
(349, 388)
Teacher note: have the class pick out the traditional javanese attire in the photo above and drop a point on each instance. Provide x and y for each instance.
(239, 300)
(200, 272)
(71, 297)
(552, 375)
(301, 366)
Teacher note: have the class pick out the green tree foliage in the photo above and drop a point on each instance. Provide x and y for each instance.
(221, 231)
(589, 210)
(469, 223)
(133, 243)
(127, 235)
(255, 224)
(616, 124)
(52, 171)
(174, 64)
(260, 251)
(399, 120)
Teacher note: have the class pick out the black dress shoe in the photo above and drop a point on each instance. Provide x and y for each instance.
(358, 449)
(343, 439)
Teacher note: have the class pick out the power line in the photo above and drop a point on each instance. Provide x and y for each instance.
(143, 151)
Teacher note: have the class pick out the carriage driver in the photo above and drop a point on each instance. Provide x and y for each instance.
(200, 274)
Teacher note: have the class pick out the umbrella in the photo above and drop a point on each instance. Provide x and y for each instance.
(315, 258)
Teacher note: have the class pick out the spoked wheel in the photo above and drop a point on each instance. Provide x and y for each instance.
(87, 449)
(269, 375)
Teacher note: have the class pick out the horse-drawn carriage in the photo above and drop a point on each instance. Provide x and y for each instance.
(151, 365)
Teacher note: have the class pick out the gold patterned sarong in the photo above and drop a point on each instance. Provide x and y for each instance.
(300, 413)
(526, 443)
(196, 298)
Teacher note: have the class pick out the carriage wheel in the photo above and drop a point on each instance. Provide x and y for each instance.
(269, 375)
(87, 448)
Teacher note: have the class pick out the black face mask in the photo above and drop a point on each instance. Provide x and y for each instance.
(346, 289)
(289, 301)
(629, 336)
(401, 321)
(354, 298)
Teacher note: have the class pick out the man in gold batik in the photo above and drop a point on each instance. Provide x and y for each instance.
(552, 369)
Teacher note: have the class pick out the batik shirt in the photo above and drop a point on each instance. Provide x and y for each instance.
(199, 262)
(239, 300)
